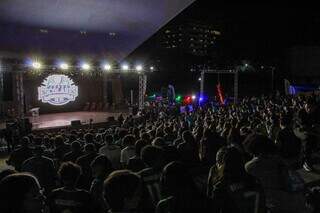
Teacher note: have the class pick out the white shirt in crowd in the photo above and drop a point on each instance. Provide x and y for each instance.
(113, 153)
(126, 154)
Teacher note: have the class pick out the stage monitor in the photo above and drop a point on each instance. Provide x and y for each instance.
(57, 90)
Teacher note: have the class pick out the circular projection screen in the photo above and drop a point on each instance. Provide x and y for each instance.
(57, 90)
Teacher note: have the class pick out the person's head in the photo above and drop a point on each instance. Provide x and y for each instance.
(21, 193)
(89, 138)
(25, 142)
(89, 148)
(72, 137)
(313, 199)
(75, 146)
(158, 142)
(176, 179)
(188, 137)
(108, 139)
(145, 136)
(58, 141)
(38, 151)
(101, 166)
(139, 146)
(167, 130)
(69, 173)
(285, 121)
(6, 172)
(122, 133)
(123, 190)
(230, 164)
(128, 140)
(257, 144)
(152, 156)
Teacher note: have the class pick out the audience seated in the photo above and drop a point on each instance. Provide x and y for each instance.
(68, 198)
(234, 158)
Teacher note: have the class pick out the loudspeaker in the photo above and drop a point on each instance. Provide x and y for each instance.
(75, 123)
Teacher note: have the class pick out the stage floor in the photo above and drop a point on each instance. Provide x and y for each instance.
(54, 120)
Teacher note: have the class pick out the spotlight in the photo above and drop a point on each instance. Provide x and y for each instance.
(199, 79)
(64, 66)
(125, 67)
(36, 65)
(85, 66)
(107, 67)
(139, 68)
(194, 97)
(151, 68)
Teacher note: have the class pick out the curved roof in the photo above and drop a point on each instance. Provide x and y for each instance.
(111, 27)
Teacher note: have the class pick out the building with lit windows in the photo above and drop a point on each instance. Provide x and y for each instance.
(191, 37)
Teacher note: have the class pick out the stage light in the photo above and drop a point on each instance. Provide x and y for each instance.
(178, 98)
(199, 79)
(138, 67)
(36, 65)
(64, 66)
(201, 99)
(187, 100)
(125, 67)
(85, 66)
(194, 97)
(107, 67)
(151, 68)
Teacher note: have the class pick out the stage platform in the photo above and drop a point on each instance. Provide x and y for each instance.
(56, 120)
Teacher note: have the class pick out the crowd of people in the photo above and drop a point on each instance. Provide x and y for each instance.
(237, 158)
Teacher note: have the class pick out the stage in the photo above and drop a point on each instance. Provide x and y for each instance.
(56, 120)
(64, 119)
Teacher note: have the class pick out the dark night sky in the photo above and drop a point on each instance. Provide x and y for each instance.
(260, 34)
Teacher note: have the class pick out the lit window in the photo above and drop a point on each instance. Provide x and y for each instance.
(43, 31)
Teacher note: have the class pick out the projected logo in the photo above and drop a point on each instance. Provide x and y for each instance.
(57, 90)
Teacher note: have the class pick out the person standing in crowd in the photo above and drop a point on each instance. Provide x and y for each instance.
(111, 151)
(21, 193)
(74, 154)
(179, 191)
(128, 151)
(21, 154)
(69, 198)
(41, 167)
(101, 168)
(233, 189)
(288, 144)
(135, 164)
(61, 148)
(152, 156)
(84, 162)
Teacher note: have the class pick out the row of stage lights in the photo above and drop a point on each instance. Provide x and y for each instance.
(87, 67)
(188, 99)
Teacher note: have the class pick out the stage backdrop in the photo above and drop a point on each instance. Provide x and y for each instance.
(89, 88)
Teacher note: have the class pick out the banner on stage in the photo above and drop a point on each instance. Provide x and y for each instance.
(57, 90)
